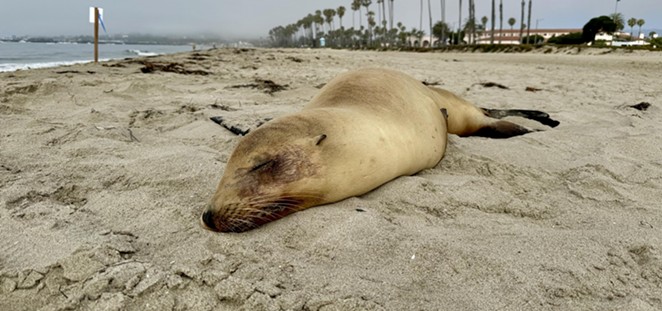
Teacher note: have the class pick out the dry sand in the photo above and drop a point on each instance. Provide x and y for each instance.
(104, 172)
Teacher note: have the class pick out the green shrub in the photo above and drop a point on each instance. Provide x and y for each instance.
(600, 43)
(571, 38)
(534, 39)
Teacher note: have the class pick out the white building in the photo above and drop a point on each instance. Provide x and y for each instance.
(508, 36)
(613, 40)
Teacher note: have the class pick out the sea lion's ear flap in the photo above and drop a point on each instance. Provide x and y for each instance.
(444, 112)
(319, 139)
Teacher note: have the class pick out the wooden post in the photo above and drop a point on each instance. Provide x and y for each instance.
(96, 35)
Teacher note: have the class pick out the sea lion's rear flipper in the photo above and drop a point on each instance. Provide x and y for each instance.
(501, 129)
(535, 115)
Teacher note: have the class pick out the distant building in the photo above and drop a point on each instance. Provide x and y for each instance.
(602, 36)
(413, 41)
(621, 39)
(508, 36)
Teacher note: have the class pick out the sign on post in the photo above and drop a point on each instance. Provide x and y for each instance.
(92, 14)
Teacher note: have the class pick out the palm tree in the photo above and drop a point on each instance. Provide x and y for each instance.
(390, 14)
(631, 22)
(500, 20)
(283, 36)
(528, 24)
(521, 29)
(618, 20)
(512, 21)
(371, 22)
(328, 17)
(459, 24)
(308, 24)
(430, 15)
(301, 26)
(493, 20)
(472, 19)
(383, 11)
(356, 6)
(366, 4)
(483, 22)
(420, 23)
(379, 11)
(341, 12)
(640, 22)
(403, 37)
(319, 21)
(443, 20)
(290, 31)
(467, 26)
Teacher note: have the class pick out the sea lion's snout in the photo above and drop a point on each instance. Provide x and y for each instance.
(219, 223)
(208, 221)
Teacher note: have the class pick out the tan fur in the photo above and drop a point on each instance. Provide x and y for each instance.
(363, 129)
(464, 118)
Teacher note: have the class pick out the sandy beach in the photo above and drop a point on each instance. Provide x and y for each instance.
(105, 169)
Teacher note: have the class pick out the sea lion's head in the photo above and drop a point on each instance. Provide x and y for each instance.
(274, 171)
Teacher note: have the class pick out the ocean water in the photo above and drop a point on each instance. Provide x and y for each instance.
(15, 55)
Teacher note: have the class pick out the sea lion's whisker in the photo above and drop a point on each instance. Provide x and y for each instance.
(239, 225)
(262, 208)
(290, 198)
(240, 221)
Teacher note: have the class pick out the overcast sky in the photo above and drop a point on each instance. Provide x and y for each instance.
(254, 18)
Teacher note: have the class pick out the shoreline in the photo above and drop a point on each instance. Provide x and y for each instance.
(26, 56)
(480, 49)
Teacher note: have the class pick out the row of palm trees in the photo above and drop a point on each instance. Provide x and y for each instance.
(639, 22)
(380, 26)
(620, 23)
(471, 22)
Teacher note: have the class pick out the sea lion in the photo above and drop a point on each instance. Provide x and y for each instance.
(363, 129)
